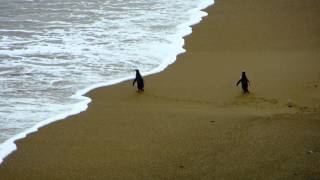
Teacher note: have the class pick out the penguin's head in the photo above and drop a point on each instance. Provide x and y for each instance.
(137, 72)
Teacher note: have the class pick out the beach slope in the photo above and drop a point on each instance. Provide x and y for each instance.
(192, 122)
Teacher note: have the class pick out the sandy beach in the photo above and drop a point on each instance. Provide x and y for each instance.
(192, 122)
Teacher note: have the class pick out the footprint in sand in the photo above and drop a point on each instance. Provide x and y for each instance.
(304, 108)
(313, 85)
(251, 99)
(271, 101)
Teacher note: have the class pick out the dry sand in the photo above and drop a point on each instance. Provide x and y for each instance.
(192, 122)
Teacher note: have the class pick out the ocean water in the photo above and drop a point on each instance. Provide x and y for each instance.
(54, 51)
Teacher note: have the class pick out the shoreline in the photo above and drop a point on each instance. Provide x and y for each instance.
(9, 146)
(192, 122)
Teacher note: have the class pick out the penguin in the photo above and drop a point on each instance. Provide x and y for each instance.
(244, 82)
(139, 81)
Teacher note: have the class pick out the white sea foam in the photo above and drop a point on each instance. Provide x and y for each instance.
(50, 62)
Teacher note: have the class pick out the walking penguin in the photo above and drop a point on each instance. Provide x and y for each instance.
(139, 81)
(244, 82)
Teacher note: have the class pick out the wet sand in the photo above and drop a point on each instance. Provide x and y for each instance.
(192, 122)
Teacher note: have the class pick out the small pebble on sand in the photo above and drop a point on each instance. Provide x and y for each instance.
(290, 103)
